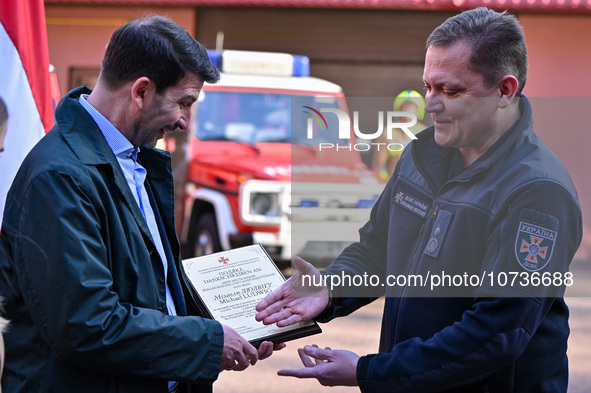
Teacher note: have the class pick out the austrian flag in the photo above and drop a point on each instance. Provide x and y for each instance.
(24, 83)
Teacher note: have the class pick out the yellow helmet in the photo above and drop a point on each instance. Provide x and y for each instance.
(411, 96)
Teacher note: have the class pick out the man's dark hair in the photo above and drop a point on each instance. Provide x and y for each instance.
(497, 40)
(157, 48)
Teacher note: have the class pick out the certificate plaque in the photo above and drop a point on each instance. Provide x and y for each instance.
(228, 285)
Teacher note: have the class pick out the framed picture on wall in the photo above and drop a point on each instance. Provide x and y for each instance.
(83, 76)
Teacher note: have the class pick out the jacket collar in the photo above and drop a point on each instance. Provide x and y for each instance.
(81, 132)
(433, 160)
(90, 146)
(88, 143)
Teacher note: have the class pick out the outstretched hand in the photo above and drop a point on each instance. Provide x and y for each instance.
(297, 299)
(329, 367)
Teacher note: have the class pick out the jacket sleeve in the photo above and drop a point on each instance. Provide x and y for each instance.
(61, 260)
(500, 325)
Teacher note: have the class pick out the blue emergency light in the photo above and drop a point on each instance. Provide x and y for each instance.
(215, 57)
(260, 63)
(301, 66)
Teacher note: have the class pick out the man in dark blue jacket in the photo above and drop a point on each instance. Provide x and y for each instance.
(471, 239)
(90, 262)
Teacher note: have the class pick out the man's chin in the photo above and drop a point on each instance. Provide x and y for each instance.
(158, 140)
(441, 138)
(150, 144)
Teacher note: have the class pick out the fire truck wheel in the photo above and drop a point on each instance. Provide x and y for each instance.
(205, 237)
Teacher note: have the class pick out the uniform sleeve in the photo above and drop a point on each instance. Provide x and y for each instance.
(502, 321)
(62, 267)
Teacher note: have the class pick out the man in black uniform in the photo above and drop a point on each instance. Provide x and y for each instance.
(486, 220)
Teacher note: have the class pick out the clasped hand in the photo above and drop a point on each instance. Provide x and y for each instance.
(238, 353)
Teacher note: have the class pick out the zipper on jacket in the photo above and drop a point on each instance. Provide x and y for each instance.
(416, 251)
(435, 211)
(433, 215)
(415, 256)
(428, 221)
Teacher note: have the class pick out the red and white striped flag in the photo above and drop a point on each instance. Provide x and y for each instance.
(24, 84)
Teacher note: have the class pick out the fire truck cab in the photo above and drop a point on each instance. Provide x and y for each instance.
(256, 173)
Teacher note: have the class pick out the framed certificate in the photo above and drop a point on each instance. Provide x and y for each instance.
(228, 285)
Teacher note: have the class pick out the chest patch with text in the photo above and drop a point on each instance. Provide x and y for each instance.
(411, 204)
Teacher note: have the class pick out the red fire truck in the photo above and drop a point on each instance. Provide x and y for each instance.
(256, 172)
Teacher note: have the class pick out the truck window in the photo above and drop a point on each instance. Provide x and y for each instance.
(262, 118)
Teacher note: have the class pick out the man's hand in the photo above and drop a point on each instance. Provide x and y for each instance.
(293, 302)
(238, 353)
(267, 348)
(330, 368)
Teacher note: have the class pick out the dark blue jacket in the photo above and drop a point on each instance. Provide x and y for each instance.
(82, 280)
(513, 213)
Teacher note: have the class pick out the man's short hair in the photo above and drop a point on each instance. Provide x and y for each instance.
(497, 40)
(157, 48)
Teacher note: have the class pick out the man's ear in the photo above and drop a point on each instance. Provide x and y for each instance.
(141, 90)
(508, 86)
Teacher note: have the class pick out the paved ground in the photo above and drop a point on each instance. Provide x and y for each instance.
(579, 345)
(359, 332)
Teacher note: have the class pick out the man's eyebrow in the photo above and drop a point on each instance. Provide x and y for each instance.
(190, 98)
(446, 84)
(454, 86)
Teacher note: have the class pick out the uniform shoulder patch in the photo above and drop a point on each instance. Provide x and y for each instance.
(535, 240)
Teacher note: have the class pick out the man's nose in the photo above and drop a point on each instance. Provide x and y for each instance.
(433, 104)
(185, 120)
